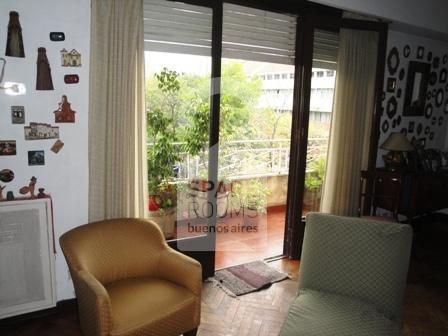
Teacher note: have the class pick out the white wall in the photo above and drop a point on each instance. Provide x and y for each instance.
(427, 14)
(65, 175)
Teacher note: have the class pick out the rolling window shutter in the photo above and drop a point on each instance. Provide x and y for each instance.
(258, 35)
(326, 45)
(177, 27)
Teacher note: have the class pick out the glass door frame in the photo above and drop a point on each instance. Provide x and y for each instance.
(307, 24)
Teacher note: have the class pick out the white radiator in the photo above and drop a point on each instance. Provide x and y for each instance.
(27, 278)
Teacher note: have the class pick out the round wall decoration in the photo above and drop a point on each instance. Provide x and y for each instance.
(428, 111)
(393, 61)
(401, 74)
(439, 97)
(391, 108)
(385, 126)
(6, 175)
(406, 50)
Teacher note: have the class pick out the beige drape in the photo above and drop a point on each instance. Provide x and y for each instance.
(351, 122)
(117, 130)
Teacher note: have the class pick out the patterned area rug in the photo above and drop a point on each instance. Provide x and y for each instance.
(247, 278)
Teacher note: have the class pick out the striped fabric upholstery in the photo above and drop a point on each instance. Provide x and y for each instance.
(352, 277)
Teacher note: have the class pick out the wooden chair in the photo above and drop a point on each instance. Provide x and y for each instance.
(385, 193)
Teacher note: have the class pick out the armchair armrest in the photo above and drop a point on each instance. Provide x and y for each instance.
(93, 304)
(180, 269)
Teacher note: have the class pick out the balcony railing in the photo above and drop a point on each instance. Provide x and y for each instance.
(240, 159)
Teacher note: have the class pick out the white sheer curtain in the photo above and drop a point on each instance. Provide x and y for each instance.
(351, 122)
(117, 130)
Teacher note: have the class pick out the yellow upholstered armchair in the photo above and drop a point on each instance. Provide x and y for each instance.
(128, 281)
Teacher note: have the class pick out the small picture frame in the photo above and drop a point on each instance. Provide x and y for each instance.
(8, 147)
(18, 114)
(391, 84)
(36, 158)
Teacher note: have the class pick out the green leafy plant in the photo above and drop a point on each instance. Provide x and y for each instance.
(315, 177)
(251, 195)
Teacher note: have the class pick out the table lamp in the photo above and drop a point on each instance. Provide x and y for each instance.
(396, 144)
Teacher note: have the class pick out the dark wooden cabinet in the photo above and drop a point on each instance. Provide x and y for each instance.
(418, 194)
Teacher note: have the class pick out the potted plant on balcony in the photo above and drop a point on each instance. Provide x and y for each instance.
(251, 197)
(313, 183)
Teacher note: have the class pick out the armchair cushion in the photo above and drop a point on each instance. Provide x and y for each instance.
(324, 314)
(152, 304)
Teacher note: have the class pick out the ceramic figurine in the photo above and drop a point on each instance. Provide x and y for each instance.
(30, 188)
(43, 80)
(1, 192)
(64, 114)
(14, 43)
(41, 193)
(9, 196)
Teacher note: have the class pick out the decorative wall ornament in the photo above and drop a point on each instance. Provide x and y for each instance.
(70, 58)
(18, 114)
(443, 75)
(419, 128)
(391, 109)
(57, 146)
(43, 80)
(439, 97)
(391, 84)
(40, 131)
(57, 36)
(433, 121)
(6, 175)
(428, 111)
(393, 61)
(406, 50)
(411, 127)
(433, 78)
(429, 56)
(8, 147)
(71, 79)
(420, 52)
(399, 120)
(64, 114)
(431, 136)
(14, 42)
(416, 89)
(427, 129)
(385, 126)
(436, 62)
(394, 123)
(36, 158)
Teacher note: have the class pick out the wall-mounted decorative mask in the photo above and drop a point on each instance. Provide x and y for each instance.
(14, 42)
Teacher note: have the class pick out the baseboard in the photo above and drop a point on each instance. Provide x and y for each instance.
(61, 306)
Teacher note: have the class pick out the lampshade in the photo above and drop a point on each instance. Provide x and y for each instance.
(397, 142)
